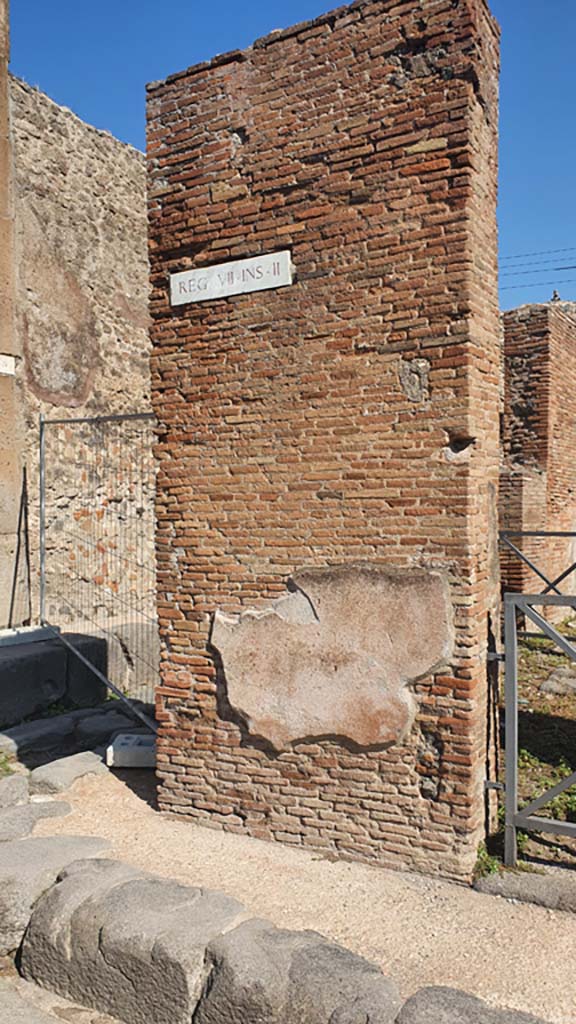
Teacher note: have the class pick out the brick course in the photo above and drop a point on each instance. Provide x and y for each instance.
(350, 417)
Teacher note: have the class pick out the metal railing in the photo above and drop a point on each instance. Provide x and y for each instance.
(20, 609)
(526, 817)
(551, 585)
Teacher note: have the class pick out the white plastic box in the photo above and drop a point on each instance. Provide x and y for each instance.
(132, 750)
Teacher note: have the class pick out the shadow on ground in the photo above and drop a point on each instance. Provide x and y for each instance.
(142, 782)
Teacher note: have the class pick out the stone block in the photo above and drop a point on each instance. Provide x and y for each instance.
(18, 822)
(13, 791)
(41, 736)
(97, 729)
(261, 973)
(58, 776)
(83, 687)
(127, 643)
(126, 943)
(439, 1005)
(561, 682)
(27, 870)
(35, 675)
(32, 676)
(557, 890)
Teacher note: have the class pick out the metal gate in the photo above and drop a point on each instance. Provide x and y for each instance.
(524, 606)
(97, 564)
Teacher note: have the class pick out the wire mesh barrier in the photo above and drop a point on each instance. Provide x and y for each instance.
(97, 567)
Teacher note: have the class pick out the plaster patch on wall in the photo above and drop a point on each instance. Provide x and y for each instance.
(57, 323)
(414, 377)
(336, 657)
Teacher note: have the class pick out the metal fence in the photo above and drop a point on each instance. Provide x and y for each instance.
(526, 817)
(522, 620)
(97, 565)
(510, 539)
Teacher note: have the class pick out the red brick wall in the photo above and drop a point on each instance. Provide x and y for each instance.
(364, 142)
(539, 472)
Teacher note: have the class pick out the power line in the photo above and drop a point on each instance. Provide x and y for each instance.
(527, 273)
(543, 252)
(538, 284)
(537, 263)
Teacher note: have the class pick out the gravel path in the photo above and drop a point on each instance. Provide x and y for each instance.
(419, 930)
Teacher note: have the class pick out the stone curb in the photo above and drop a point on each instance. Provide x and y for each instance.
(148, 950)
(58, 776)
(554, 891)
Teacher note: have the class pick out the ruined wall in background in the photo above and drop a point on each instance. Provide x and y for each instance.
(538, 487)
(328, 451)
(82, 326)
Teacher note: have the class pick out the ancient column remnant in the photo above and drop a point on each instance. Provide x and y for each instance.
(326, 379)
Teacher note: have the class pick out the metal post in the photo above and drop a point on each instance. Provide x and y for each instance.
(100, 675)
(511, 697)
(42, 520)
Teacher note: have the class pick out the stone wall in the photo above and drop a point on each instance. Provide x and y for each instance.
(328, 451)
(11, 426)
(539, 473)
(81, 280)
(82, 261)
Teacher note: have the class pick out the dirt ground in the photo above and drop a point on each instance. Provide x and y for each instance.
(420, 931)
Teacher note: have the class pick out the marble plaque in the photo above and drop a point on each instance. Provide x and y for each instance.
(236, 278)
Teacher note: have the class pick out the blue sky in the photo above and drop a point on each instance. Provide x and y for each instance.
(96, 58)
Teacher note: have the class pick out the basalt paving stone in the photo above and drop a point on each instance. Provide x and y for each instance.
(36, 1006)
(262, 973)
(27, 869)
(58, 776)
(18, 822)
(437, 1005)
(556, 890)
(13, 791)
(126, 943)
